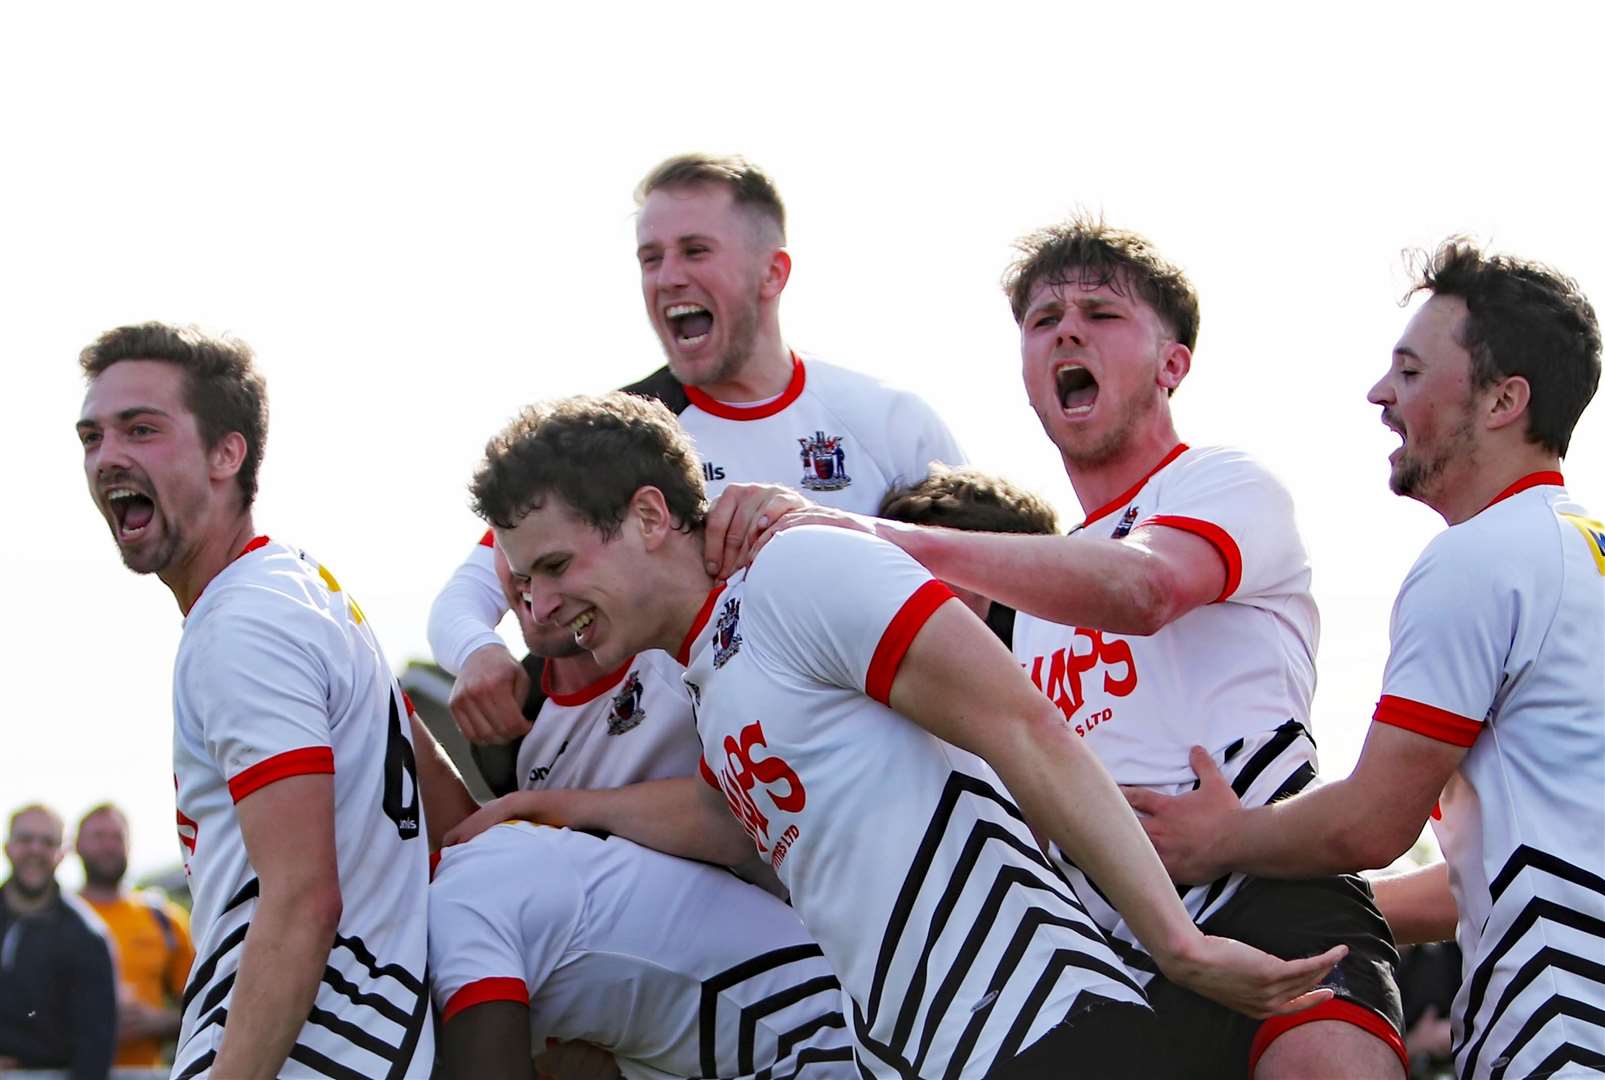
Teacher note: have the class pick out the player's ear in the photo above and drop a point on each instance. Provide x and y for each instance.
(1174, 363)
(649, 512)
(776, 273)
(1507, 402)
(226, 457)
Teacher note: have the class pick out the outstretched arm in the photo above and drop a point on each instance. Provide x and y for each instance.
(1418, 905)
(1362, 822)
(959, 683)
(682, 816)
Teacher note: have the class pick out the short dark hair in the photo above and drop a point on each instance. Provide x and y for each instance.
(1522, 318)
(1085, 250)
(103, 808)
(221, 385)
(750, 187)
(595, 453)
(969, 499)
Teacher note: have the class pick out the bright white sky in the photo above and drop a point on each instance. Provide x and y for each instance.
(420, 217)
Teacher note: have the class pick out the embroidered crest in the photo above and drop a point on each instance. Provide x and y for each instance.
(626, 713)
(824, 462)
(1127, 520)
(726, 639)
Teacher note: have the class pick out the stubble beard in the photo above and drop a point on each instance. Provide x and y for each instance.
(730, 365)
(1418, 478)
(1115, 441)
(109, 879)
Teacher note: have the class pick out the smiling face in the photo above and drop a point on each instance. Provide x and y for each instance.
(149, 473)
(579, 581)
(1097, 363)
(1429, 398)
(702, 267)
(34, 848)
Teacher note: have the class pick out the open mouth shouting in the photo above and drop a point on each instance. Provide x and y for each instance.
(689, 323)
(1391, 422)
(131, 512)
(1077, 389)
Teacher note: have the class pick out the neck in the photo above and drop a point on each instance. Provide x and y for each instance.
(766, 373)
(21, 903)
(101, 893)
(683, 593)
(1463, 497)
(571, 674)
(219, 547)
(1096, 484)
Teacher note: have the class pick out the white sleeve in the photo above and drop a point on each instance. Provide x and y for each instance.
(258, 679)
(503, 909)
(1450, 637)
(464, 616)
(926, 439)
(1232, 501)
(841, 607)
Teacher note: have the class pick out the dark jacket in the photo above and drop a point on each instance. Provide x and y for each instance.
(58, 996)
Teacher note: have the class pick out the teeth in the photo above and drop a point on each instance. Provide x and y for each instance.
(120, 493)
(582, 622)
(678, 310)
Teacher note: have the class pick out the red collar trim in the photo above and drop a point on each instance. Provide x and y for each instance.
(684, 653)
(715, 407)
(1130, 493)
(256, 542)
(589, 693)
(1531, 480)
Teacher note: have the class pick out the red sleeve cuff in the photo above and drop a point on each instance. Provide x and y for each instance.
(1219, 539)
(307, 760)
(480, 991)
(488, 540)
(707, 774)
(1428, 720)
(899, 635)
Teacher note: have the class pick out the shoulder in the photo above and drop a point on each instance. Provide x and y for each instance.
(664, 387)
(846, 389)
(1226, 463)
(82, 920)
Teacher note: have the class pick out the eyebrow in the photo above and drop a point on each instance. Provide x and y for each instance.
(127, 415)
(1405, 350)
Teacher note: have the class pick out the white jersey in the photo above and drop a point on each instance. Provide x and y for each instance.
(955, 940)
(841, 437)
(632, 724)
(279, 675)
(675, 967)
(1234, 676)
(1498, 644)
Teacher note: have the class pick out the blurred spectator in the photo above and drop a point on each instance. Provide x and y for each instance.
(149, 933)
(58, 1005)
(1429, 978)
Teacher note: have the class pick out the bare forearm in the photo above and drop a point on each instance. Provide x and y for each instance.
(446, 798)
(1115, 587)
(284, 958)
(679, 817)
(1333, 829)
(1418, 905)
(1099, 833)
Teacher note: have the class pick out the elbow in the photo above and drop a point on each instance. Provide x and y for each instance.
(321, 906)
(1374, 846)
(1150, 603)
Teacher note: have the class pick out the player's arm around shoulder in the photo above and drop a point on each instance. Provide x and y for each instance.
(958, 682)
(288, 828)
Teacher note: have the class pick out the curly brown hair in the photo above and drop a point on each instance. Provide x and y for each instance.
(967, 498)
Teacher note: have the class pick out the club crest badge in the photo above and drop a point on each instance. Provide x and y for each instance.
(824, 462)
(625, 714)
(726, 639)
(1127, 520)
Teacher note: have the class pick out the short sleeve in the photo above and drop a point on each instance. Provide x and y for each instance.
(258, 683)
(926, 439)
(840, 607)
(1235, 503)
(492, 942)
(1450, 635)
